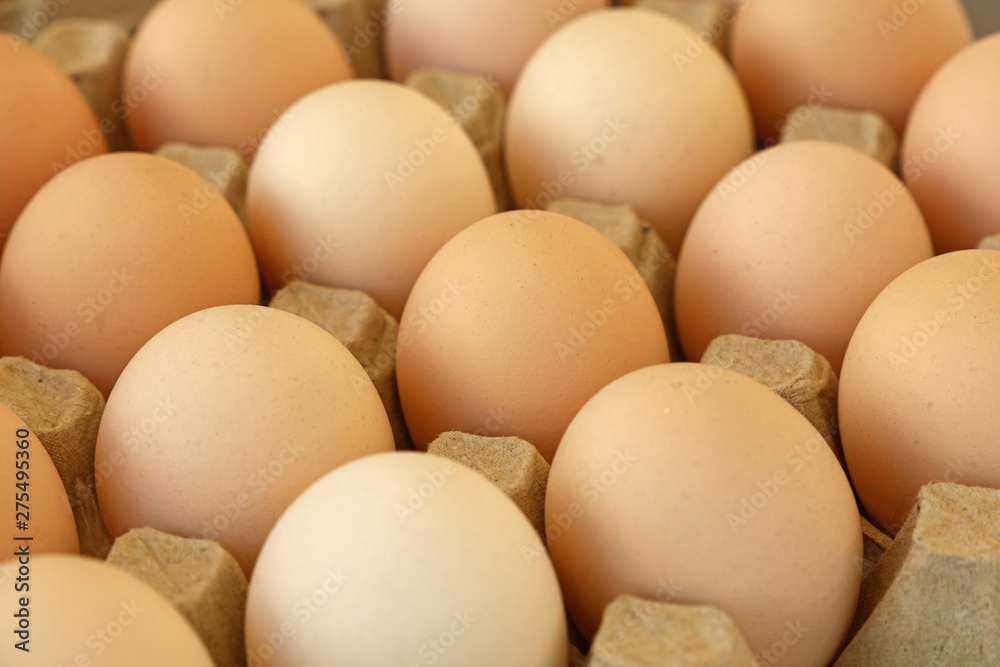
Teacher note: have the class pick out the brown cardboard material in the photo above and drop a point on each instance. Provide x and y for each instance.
(932, 597)
(92, 52)
(223, 167)
(511, 463)
(866, 131)
(643, 633)
(200, 577)
(64, 410)
(990, 243)
(359, 31)
(369, 332)
(710, 19)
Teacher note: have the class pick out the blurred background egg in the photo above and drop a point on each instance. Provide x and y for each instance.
(611, 109)
(693, 484)
(515, 323)
(494, 37)
(221, 73)
(45, 125)
(365, 181)
(405, 559)
(918, 393)
(795, 243)
(870, 55)
(35, 483)
(951, 151)
(110, 252)
(223, 418)
(85, 612)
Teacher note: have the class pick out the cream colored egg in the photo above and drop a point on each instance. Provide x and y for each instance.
(223, 418)
(361, 185)
(404, 559)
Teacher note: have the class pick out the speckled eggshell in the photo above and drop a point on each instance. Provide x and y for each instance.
(795, 243)
(223, 418)
(919, 392)
(45, 124)
(495, 37)
(238, 66)
(515, 323)
(405, 559)
(111, 251)
(33, 481)
(870, 55)
(85, 612)
(610, 109)
(694, 484)
(951, 152)
(365, 181)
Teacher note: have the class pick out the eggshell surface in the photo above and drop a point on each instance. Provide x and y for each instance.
(696, 485)
(362, 185)
(403, 559)
(951, 152)
(237, 68)
(918, 393)
(36, 508)
(85, 612)
(45, 124)
(515, 323)
(610, 110)
(110, 252)
(795, 243)
(494, 38)
(223, 418)
(869, 55)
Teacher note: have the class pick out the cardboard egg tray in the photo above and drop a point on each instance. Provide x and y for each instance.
(943, 565)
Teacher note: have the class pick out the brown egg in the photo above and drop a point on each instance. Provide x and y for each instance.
(795, 243)
(951, 152)
(693, 484)
(240, 64)
(80, 611)
(495, 37)
(36, 495)
(361, 185)
(611, 109)
(110, 252)
(515, 323)
(404, 559)
(919, 392)
(861, 54)
(45, 125)
(223, 418)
